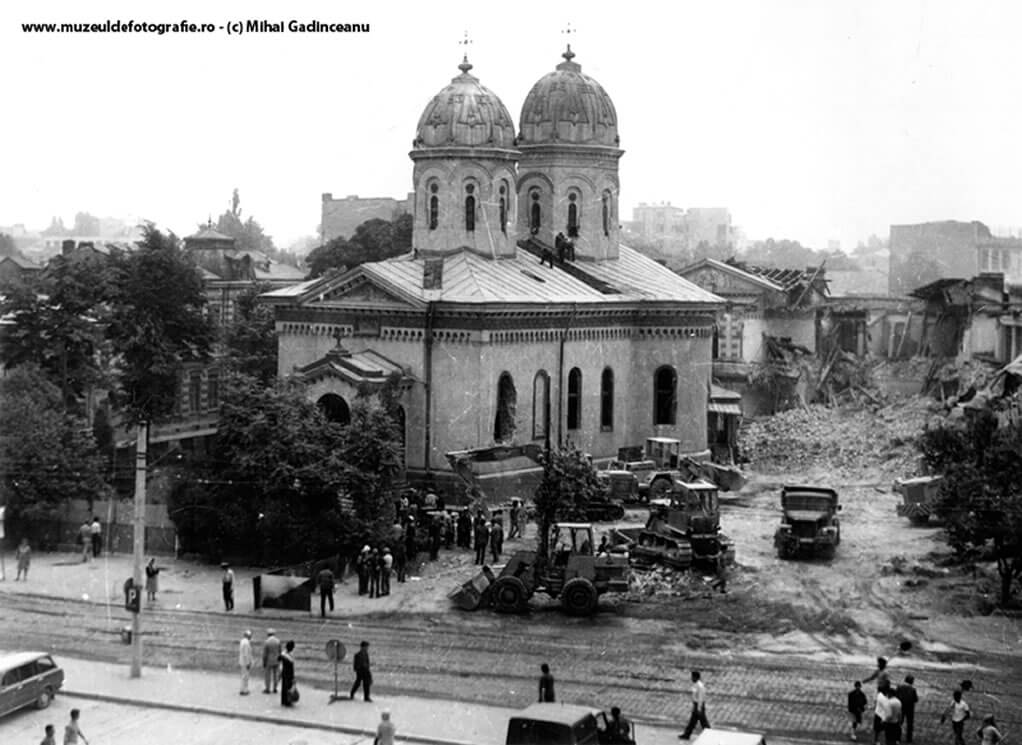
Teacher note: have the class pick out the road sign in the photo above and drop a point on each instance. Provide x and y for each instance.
(335, 650)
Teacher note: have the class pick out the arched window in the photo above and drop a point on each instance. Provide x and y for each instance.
(535, 214)
(399, 424)
(541, 406)
(607, 399)
(470, 208)
(575, 399)
(606, 213)
(573, 215)
(434, 206)
(335, 408)
(504, 421)
(665, 400)
(503, 210)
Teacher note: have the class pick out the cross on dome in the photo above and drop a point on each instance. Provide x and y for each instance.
(465, 65)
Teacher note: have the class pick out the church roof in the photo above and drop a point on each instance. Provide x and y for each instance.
(209, 233)
(471, 279)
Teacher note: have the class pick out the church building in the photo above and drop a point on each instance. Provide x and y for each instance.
(518, 317)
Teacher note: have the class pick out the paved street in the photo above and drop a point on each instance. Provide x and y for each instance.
(493, 660)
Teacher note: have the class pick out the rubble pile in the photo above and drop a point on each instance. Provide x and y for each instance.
(843, 441)
(667, 582)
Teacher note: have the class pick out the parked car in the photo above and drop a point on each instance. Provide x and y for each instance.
(559, 724)
(26, 679)
(728, 737)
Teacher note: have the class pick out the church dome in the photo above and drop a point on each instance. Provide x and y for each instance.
(465, 114)
(566, 106)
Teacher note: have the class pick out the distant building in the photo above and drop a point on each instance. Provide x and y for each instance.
(924, 253)
(340, 217)
(678, 232)
(15, 270)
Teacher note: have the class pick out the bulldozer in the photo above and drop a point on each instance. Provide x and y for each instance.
(654, 469)
(571, 571)
(683, 529)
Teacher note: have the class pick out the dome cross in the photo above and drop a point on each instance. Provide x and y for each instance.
(465, 65)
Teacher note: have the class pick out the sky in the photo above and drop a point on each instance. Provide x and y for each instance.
(809, 120)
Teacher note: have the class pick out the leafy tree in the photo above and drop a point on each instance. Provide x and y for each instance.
(569, 483)
(248, 234)
(50, 456)
(374, 240)
(981, 494)
(251, 339)
(156, 323)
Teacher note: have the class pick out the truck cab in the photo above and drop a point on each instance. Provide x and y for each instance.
(809, 522)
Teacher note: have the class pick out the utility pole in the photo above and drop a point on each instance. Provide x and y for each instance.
(142, 435)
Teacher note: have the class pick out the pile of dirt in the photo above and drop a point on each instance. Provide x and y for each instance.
(845, 441)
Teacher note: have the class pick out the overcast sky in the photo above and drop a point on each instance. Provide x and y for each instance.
(809, 120)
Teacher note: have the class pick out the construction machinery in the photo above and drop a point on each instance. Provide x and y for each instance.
(650, 472)
(683, 529)
(570, 571)
(919, 497)
(809, 522)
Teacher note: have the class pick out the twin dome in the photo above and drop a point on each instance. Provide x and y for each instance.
(563, 107)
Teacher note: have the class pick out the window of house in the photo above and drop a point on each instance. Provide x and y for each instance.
(504, 420)
(575, 399)
(607, 399)
(503, 210)
(194, 391)
(606, 213)
(541, 406)
(213, 390)
(470, 208)
(434, 206)
(535, 214)
(665, 401)
(573, 215)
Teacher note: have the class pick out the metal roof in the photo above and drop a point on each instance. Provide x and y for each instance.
(787, 279)
(735, 270)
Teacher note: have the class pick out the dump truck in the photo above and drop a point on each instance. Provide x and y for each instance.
(809, 522)
(683, 529)
(919, 497)
(571, 571)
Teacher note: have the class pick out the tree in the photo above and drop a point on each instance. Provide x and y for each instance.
(248, 235)
(251, 339)
(981, 495)
(374, 240)
(569, 483)
(50, 456)
(156, 323)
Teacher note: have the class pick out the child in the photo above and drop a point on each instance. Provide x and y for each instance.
(856, 706)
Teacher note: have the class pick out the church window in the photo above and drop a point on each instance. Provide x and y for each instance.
(607, 400)
(606, 213)
(470, 207)
(503, 210)
(541, 406)
(504, 421)
(434, 207)
(573, 215)
(575, 399)
(334, 408)
(535, 214)
(665, 398)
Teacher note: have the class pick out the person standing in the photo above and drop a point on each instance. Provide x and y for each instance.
(287, 674)
(881, 713)
(362, 567)
(435, 537)
(988, 733)
(720, 581)
(698, 706)
(892, 725)
(24, 557)
(496, 540)
(85, 540)
(385, 730)
(512, 528)
(363, 673)
(152, 579)
(906, 693)
(228, 586)
(619, 729)
(857, 702)
(411, 543)
(271, 661)
(373, 568)
(546, 684)
(73, 731)
(880, 675)
(386, 567)
(482, 537)
(245, 660)
(400, 560)
(48, 736)
(959, 712)
(325, 579)
(96, 534)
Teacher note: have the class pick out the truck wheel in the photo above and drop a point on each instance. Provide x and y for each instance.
(509, 595)
(579, 597)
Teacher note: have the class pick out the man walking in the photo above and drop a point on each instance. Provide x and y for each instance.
(906, 693)
(72, 732)
(959, 711)
(96, 534)
(85, 540)
(363, 675)
(856, 706)
(325, 579)
(698, 707)
(271, 661)
(546, 684)
(245, 660)
(227, 580)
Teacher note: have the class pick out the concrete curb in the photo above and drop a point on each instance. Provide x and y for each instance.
(260, 718)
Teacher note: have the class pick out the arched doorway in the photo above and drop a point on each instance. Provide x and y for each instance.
(334, 408)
